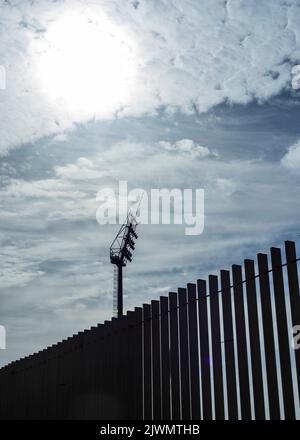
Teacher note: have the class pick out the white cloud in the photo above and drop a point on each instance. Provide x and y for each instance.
(19, 189)
(291, 160)
(190, 55)
(83, 169)
(187, 146)
(60, 137)
(227, 186)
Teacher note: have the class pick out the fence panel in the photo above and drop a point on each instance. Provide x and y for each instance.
(156, 362)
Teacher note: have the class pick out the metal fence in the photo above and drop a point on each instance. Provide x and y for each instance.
(212, 350)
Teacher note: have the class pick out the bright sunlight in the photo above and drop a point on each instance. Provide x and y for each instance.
(86, 64)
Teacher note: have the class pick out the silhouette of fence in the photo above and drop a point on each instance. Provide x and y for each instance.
(219, 350)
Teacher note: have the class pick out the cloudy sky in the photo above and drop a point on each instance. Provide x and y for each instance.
(162, 94)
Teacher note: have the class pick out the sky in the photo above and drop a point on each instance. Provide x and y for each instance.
(161, 94)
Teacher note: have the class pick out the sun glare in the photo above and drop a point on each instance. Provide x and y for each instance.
(87, 65)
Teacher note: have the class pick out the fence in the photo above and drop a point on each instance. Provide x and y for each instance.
(213, 350)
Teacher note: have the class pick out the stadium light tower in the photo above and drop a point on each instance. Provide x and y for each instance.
(121, 251)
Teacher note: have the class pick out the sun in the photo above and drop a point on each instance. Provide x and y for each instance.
(86, 64)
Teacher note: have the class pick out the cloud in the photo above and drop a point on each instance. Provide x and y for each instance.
(291, 160)
(190, 57)
(60, 137)
(186, 146)
(227, 186)
(83, 169)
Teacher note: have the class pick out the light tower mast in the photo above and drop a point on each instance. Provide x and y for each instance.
(120, 253)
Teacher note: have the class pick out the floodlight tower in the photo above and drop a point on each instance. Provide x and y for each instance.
(121, 253)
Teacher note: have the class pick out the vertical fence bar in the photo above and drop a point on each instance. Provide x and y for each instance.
(156, 382)
(165, 357)
(119, 369)
(43, 392)
(131, 367)
(14, 389)
(258, 390)
(29, 388)
(8, 394)
(283, 334)
(292, 270)
(138, 335)
(120, 326)
(216, 348)
(229, 346)
(193, 352)
(112, 373)
(184, 355)
(57, 382)
(63, 381)
(174, 356)
(71, 394)
(147, 361)
(205, 359)
(240, 329)
(110, 389)
(18, 404)
(269, 342)
(83, 396)
(100, 369)
(51, 380)
(3, 393)
(94, 372)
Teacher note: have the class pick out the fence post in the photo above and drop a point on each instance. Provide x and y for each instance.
(174, 356)
(240, 329)
(165, 357)
(193, 352)
(258, 390)
(205, 358)
(147, 362)
(216, 348)
(229, 346)
(138, 342)
(156, 382)
(267, 319)
(130, 370)
(283, 334)
(293, 282)
(184, 355)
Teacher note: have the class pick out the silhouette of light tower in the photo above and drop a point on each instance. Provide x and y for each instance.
(120, 253)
